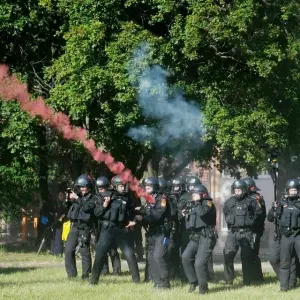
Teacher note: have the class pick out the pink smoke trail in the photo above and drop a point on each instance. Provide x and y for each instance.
(12, 89)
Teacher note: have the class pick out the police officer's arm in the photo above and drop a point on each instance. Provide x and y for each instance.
(204, 209)
(157, 214)
(130, 208)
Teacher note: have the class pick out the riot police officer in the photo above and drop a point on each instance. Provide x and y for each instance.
(173, 224)
(102, 185)
(154, 215)
(117, 215)
(274, 256)
(200, 218)
(258, 226)
(288, 213)
(81, 216)
(240, 212)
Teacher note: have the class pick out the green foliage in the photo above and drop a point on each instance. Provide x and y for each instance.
(238, 61)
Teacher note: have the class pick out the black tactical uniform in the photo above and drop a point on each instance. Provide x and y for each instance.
(82, 222)
(200, 218)
(240, 214)
(288, 213)
(258, 227)
(174, 260)
(114, 219)
(158, 234)
(103, 183)
(274, 256)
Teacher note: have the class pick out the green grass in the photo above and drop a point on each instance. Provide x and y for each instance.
(45, 278)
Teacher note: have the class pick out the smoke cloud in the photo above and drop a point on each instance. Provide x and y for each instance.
(174, 121)
(12, 89)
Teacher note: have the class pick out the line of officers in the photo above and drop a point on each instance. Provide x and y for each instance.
(179, 222)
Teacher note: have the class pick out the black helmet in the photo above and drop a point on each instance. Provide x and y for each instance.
(292, 184)
(251, 184)
(84, 180)
(152, 182)
(201, 190)
(191, 181)
(240, 184)
(116, 181)
(163, 185)
(177, 181)
(102, 182)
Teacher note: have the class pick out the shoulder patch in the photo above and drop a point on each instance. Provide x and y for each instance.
(209, 203)
(163, 202)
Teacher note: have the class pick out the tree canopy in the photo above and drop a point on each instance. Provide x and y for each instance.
(238, 60)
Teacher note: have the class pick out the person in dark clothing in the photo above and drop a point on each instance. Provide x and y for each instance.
(274, 256)
(200, 218)
(82, 222)
(154, 215)
(258, 227)
(288, 214)
(60, 215)
(117, 215)
(241, 213)
(102, 185)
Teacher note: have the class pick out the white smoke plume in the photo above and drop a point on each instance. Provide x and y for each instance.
(174, 121)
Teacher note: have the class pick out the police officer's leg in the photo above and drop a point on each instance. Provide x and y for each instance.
(138, 240)
(294, 263)
(115, 259)
(85, 252)
(124, 242)
(230, 250)
(257, 270)
(210, 269)
(105, 268)
(105, 241)
(286, 253)
(151, 262)
(274, 256)
(247, 257)
(188, 261)
(56, 243)
(160, 261)
(204, 252)
(172, 259)
(70, 261)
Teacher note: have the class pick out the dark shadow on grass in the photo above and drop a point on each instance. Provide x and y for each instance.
(12, 270)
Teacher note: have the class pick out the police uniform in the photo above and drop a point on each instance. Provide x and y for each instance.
(158, 233)
(240, 215)
(200, 220)
(114, 219)
(113, 251)
(81, 216)
(288, 213)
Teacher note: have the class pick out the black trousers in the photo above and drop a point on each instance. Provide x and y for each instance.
(195, 261)
(274, 259)
(121, 238)
(137, 239)
(233, 242)
(174, 259)
(72, 242)
(115, 261)
(56, 242)
(289, 248)
(257, 270)
(157, 259)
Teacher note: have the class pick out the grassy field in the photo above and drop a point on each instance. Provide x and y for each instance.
(26, 276)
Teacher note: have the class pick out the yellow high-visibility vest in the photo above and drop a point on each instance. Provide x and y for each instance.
(66, 230)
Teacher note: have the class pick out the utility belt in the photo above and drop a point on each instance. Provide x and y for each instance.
(80, 225)
(206, 232)
(109, 225)
(289, 231)
(241, 230)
